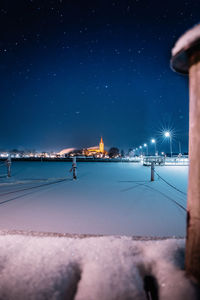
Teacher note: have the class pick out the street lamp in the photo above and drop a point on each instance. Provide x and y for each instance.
(146, 146)
(153, 141)
(167, 134)
(179, 144)
(140, 147)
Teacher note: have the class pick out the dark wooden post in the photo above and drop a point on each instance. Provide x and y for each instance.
(186, 59)
(152, 171)
(8, 163)
(74, 167)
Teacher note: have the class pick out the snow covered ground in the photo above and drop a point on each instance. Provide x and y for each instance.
(96, 268)
(113, 199)
(107, 198)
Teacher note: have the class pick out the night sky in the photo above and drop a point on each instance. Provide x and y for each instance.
(73, 71)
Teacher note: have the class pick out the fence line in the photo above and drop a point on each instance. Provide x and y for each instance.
(171, 185)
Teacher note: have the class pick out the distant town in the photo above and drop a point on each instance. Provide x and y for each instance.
(91, 152)
(95, 152)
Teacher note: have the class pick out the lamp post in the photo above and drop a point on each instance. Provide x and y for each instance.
(140, 147)
(153, 141)
(146, 146)
(179, 144)
(186, 60)
(167, 134)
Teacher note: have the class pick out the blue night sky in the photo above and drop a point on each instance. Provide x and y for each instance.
(72, 71)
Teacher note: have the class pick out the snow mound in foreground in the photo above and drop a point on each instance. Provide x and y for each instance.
(105, 268)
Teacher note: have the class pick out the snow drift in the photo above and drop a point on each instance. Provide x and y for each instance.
(99, 268)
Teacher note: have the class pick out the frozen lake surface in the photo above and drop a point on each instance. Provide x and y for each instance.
(107, 198)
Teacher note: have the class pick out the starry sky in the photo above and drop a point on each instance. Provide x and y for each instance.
(73, 71)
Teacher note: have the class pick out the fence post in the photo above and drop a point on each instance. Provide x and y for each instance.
(8, 163)
(152, 171)
(74, 167)
(186, 59)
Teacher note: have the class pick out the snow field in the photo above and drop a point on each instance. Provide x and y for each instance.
(107, 198)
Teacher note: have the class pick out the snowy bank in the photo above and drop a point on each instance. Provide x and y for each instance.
(105, 267)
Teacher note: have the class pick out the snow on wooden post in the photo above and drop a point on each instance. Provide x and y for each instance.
(152, 171)
(186, 60)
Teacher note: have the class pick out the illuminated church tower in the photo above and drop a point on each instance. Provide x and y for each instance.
(101, 146)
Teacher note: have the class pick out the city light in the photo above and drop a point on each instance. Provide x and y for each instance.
(153, 141)
(167, 134)
(146, 148)
(140, 147)
(147, 151)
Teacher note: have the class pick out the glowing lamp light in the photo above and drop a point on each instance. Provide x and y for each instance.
(153, 141)
(167, 134)
(145, 145)
(140, 147)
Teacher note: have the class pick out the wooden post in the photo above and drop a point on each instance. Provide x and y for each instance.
(74, 167)
(152, 171)
(186, 59)
(193, 226)
(8, 163)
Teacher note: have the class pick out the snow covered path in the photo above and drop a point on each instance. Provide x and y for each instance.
(92, 268)
(107, 198)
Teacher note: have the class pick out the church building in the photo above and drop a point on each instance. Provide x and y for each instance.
(97, 151)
